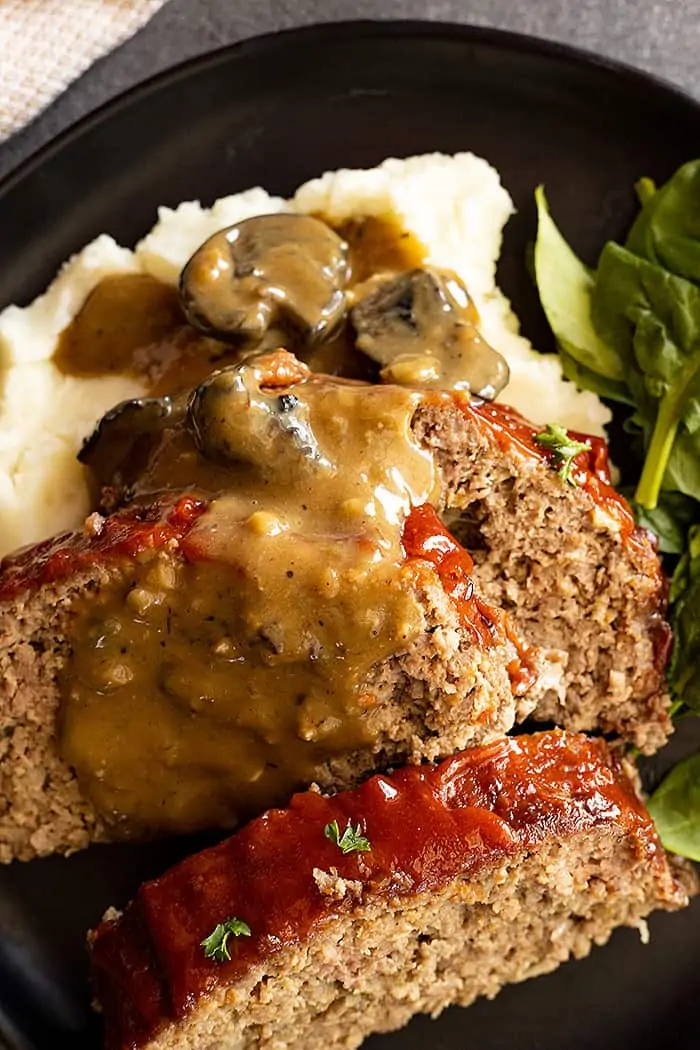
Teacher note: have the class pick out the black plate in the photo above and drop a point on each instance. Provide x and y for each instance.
(276, 111)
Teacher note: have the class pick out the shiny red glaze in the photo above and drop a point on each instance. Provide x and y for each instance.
(513, 431)
(425, 537)
(428, 826)
(591, 468)
(123, 535)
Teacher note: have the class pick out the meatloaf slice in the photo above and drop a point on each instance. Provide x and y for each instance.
(557, 548)
(495, 866)
(566, 561)
(445, 690)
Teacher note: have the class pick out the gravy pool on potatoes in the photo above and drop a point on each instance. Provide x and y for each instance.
(291, 281)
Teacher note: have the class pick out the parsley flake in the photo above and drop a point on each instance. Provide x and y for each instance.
(216, 944)
(563, 448)
(351, 841)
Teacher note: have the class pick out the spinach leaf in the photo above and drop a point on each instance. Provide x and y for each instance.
(652, 318)
(645, 189)
(669, 521)
(566, 286)
(675, 809)
(684, 672)
(630, 331)
(667, 230)
(587, 379)
(683, 471)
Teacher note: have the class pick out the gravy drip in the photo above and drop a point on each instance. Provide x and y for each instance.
(218, 674)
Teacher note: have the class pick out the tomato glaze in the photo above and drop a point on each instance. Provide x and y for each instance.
(591, 468)
(428, 827)
(591, 473)
(120, 537)
(425, 537)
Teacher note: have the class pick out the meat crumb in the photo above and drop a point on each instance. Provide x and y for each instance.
(94, 524)
(330, 884)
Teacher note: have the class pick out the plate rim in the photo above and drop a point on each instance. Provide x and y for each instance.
(489, 36)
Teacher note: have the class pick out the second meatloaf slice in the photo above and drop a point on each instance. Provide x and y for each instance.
(493, 867)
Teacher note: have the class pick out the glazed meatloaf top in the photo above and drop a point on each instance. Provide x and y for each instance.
(423, 826)
(564, 557)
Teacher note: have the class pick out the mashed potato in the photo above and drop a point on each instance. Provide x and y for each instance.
(456, 206)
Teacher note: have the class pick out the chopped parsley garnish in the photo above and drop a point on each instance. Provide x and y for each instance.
(563, 448)
(351, 841)
(216, 944)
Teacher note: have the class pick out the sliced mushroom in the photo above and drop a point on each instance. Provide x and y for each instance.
(421, 326)
(235, 417)
(289, 271)
(122, 441)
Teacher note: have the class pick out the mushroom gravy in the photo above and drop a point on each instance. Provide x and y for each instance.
(213, 676)
(342, 300)
(133, 324)
(421, 326)
(203, 687)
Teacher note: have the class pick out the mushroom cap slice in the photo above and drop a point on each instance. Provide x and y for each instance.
(422, 327)
(286, 271)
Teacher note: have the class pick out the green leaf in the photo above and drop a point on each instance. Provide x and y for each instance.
(352, 839)
(683, 470)
(652, 318)
(216, 944)
(684, 671)
(565, 287)
(667, 230)
(587, 379)
(669, 521)
(675, 809)
(564, 449)
(645, 189)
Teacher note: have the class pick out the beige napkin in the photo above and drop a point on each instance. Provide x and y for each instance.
(44, 44)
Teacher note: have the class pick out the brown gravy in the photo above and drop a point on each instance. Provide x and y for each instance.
(206, 687)
(134, 324)
(378, 245)
(421, 326)
(375, 246)
(216, 674)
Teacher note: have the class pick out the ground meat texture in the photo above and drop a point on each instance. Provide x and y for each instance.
(572, 576)
(442, 693)
(493, 867)
(577, 580)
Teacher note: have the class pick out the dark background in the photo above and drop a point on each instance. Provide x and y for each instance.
(662, 36)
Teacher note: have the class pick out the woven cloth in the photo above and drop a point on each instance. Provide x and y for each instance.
(44, 44)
